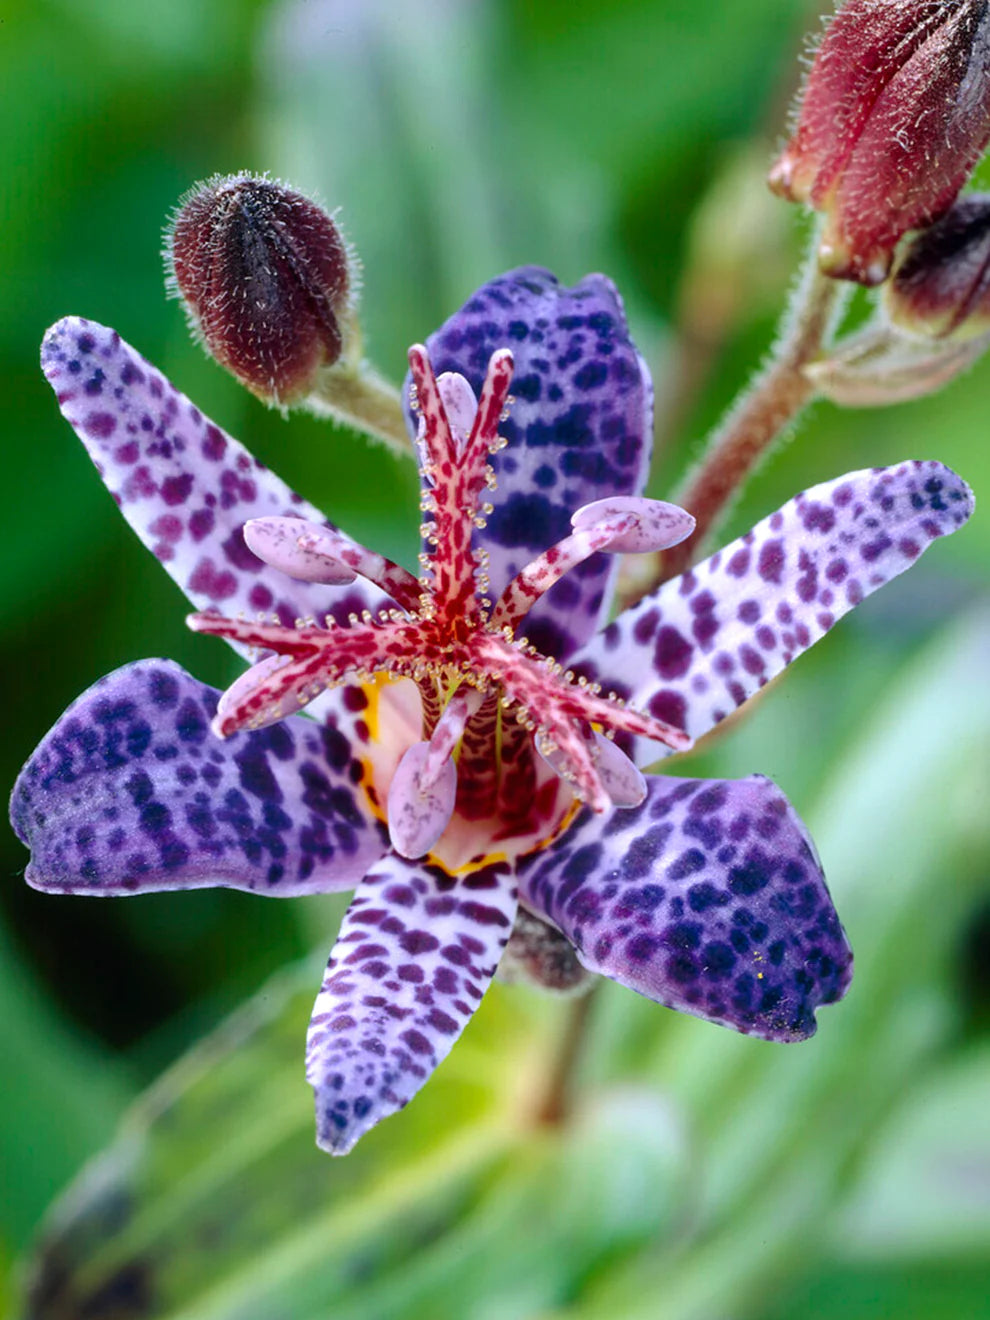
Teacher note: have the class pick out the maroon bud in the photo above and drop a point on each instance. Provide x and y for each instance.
(894, 115)
(940, 287)
(264, 276)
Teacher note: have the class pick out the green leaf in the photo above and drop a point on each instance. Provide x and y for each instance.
(912, 1292)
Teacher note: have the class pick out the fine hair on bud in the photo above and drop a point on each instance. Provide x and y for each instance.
(267, 280)
(894, 115)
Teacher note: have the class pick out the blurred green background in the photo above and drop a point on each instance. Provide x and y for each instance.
(704, 1176)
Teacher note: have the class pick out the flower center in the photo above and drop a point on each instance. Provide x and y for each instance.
(488, 699)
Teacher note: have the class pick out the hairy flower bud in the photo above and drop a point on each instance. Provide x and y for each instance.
(264, 274)
(894, 115)
(940, 287)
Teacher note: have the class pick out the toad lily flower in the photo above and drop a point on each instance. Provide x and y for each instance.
(480, 736)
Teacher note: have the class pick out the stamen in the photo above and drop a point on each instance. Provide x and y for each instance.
(492, 410)
(622, 524)
(314, 659)
(659, 525)
(457, 473)
(533, 685)
(276, 542)
(530, 583)
(244, 688)
(269, 691)
(273, 636)
(566, 749)
(313, 553)
(434, 439)
(623, 781)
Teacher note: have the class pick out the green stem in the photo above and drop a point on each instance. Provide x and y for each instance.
(358, 396)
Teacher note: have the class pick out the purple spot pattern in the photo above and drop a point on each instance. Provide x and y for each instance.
(185, 486)
(414, 957)
(707, 898)
(131, 792)
(579, 428)
(707, 641)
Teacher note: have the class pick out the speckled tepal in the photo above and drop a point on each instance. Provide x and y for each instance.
(469, 739)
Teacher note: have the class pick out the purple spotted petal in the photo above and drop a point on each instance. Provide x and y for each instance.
(186, 487)
(705, 642)
(131, 792)
(579, 429)
(708, 898)
(414, 956)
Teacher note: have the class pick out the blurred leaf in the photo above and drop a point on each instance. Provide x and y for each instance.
(214, 1193)
(925, 1185)
(915, 1292)
(185, 34)
(389, 113)
(213, 1203)
(716, 78)
(785, 1128)
(564, 1204)
(61, 1099)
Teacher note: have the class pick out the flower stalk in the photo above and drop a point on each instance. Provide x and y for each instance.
(360, 397)
(556, 1102)
(757, 418)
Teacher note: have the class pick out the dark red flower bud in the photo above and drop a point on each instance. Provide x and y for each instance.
(940, 287)
(894, 115)
(264, 274)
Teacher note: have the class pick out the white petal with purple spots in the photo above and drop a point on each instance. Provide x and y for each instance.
(708, 898)
(579, 428)
(415, 955)
(705, 642)
(131, 792)
(186, 487)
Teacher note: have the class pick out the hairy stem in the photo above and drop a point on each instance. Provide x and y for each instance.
(756, 419)
(360, 397)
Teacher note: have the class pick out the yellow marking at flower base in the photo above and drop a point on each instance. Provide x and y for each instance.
(384, 748)
(393, 718)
